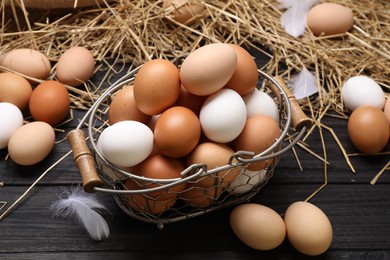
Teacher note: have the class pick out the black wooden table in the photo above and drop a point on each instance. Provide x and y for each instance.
(358, 211)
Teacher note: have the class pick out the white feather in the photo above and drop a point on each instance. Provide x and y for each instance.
(83, 207)
(293, 20)
(304, 84)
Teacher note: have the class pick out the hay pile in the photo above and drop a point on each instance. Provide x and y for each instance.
(128, 31)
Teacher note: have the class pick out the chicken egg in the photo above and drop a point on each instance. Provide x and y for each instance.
(362, 91)
(126, 143)
(223, 116)
(329, 19)
(159, 167)
(258, 226)
(28, 62)
(184, 11)
(15, 89)
(260, 103)
(31, 143)
(49, 102)
(368, 129)
(123, 107)
(308, 228)
(386, 110)
(177, 132)
(75, 66)
(11, 119)
(156, 86)
(207, 69)
(245, 76)
(246, 181)
(213, 155)
(198, 196)
(260, 133)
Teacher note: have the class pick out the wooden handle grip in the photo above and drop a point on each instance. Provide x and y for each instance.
(84, 160)
(299, 118)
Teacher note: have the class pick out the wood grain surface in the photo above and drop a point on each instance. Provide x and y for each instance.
(359, 212)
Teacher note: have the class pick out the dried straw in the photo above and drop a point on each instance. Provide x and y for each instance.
(134, 31)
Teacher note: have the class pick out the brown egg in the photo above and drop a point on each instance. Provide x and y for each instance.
(75, 66)
(368, 129)
(199, 196)
(245, 77)
(258, 226)
(188, 100)
(184, 11)
(213, 155)
(49, 102)
(146, 204)
(31, 63)
(15, 89)
(159, 167)
(177, 132)
(260, 133)
(123, 107)
(386, 110)
(156, 86)
(329, 19)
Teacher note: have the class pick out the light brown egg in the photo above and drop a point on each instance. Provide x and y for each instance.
(245, 77)
(31, 143)
(368, 129)
(213, 155)
(29, 62)
(207, 69)
(75, 66)
(260, 133)
(123, 107)
(184, 11)
(177, 132)
(308, 228)
(258, 226)
(329, 19)
(15, 89)
(49, 102)
(156, 86)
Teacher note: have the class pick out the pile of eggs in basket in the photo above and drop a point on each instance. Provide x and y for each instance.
(171, 118)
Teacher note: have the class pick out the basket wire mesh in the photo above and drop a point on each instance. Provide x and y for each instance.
(156, 200)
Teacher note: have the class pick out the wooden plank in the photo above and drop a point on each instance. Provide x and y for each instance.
(360, 215)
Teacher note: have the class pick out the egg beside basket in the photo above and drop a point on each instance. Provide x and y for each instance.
(162, 201)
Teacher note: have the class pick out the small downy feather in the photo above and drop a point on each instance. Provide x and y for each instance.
(83, 207)
(304, 84)
(293, 20)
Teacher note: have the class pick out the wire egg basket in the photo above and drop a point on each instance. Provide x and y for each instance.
(162, 201)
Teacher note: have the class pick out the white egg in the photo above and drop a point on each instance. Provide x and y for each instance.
(11, 118)
(126, 143)
(362, 91)
(260, 103)
(223, 116)
(246, 181)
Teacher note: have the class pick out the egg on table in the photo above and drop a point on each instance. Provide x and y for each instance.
(15, 89)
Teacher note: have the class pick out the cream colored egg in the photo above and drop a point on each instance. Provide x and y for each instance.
(308, 228)
(75, 66)
(31, 63)
(258, 226)
(31, 143)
